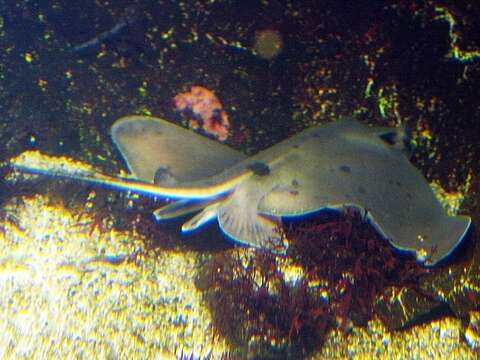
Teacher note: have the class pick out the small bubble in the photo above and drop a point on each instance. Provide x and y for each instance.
(268, 44)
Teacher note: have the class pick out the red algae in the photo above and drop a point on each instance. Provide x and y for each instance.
(257, 310)
(356, 262)
(206, 109)
(345, 267)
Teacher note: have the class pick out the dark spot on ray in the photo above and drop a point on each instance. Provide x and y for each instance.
(410, 196)
(390, 182)
(295, 146)
(259, 168)
(362, 190)
(345, 168)
(398, 183)
(163, 175)
(294, 192)
(295, 182)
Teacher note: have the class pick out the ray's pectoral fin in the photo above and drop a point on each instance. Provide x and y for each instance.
(253, 229)
(180, 208)
(150, 147)
(446, 235)
(206, 215)
(238, 217)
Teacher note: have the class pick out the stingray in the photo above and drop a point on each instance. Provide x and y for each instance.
(337, 166)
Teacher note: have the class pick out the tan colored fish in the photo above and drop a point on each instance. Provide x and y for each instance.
(335, 166)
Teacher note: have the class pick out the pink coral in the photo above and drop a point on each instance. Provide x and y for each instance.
(206, 108)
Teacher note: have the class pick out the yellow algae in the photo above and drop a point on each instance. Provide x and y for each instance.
(28, 57)
(464, 56)
(291, 272)
(388, 102)
(368, 87)
(472, 332)
(451, 201)
(439, 339)
(69, 294)
(426, 134)
(42, 83)
(12, 268)
(48, 163)
(144, 111)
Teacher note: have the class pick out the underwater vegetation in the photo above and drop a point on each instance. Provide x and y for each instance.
(336, 267)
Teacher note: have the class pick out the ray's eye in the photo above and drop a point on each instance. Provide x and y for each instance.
(389, 137)
(259, 168)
